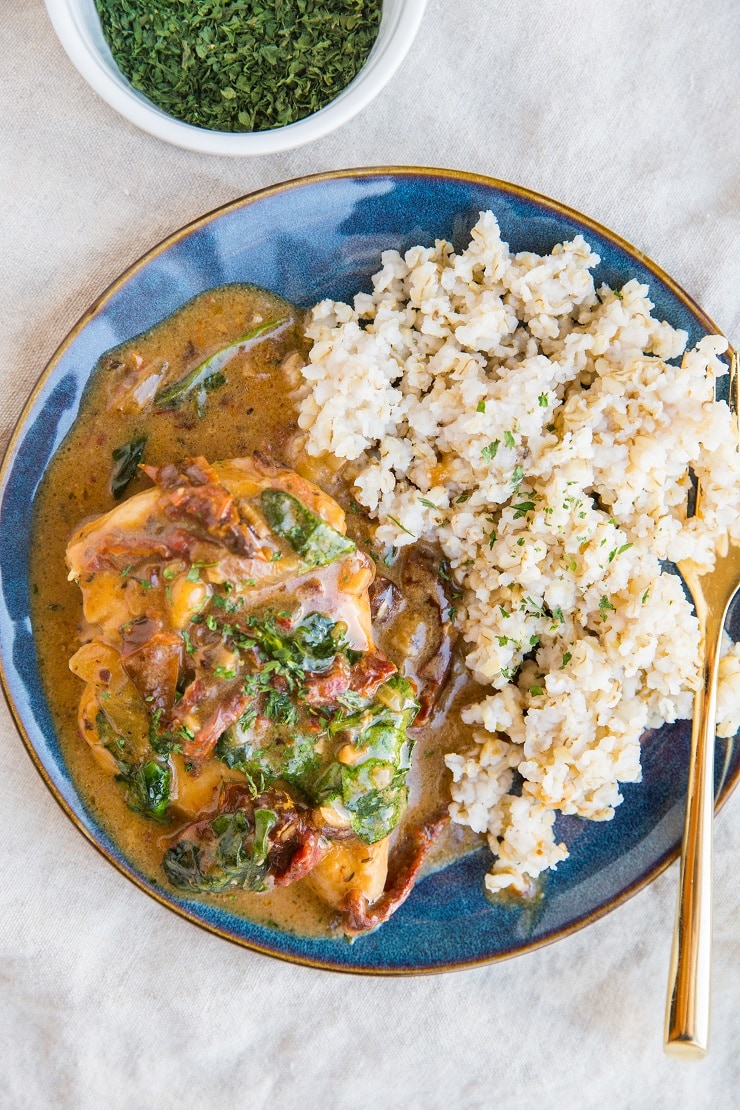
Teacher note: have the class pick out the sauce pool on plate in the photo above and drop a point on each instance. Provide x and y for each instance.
(329, 845)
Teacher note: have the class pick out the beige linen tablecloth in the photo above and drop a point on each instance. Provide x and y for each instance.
(627, 111)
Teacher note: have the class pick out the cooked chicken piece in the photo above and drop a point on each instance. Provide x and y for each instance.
(351, 868)
(124, 560)
(362, 914)
(233, 679)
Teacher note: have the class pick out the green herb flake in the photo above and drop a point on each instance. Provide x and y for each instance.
(567, 656)
(619, 551)
(444, 572)
(426, 503)
(401, 526)
(220, 671)
(280, 708)
(536, 691)
(531, 606)
(488, 453)
(481, 406)
(544, 400)
(509, 439)
(605, 606)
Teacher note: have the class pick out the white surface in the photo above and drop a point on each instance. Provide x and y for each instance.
(629, 112)
(77, 24)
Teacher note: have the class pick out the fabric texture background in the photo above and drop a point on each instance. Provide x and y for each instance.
(628, 111)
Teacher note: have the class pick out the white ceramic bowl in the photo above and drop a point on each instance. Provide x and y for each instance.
(78, 28)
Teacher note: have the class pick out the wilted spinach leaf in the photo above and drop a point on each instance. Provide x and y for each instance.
(312, 538)
(229, 851)
(207, 376)
(288, 756)
(148, 789)
(126, 461)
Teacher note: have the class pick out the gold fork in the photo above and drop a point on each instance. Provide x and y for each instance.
(687, 1010)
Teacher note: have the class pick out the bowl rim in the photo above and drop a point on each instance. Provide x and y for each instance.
(376, 72)
(727, 785)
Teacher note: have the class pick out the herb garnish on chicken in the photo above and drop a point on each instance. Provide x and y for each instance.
(233, 685)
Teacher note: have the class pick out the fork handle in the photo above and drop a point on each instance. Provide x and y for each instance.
(687, 1011)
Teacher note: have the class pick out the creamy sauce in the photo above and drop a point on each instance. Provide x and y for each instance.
(251, 411)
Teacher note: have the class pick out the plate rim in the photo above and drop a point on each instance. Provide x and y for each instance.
(727, 786)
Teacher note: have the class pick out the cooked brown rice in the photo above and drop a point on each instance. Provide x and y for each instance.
(541, 431)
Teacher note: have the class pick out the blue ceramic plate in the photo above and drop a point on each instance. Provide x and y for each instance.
(308, 239)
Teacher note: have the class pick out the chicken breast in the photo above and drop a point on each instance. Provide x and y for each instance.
(232, 683)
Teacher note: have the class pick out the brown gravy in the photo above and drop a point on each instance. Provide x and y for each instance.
(251, 411)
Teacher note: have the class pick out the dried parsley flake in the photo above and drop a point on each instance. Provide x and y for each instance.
(240, 65)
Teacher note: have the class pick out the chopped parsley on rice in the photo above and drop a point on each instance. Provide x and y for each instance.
(539, 430)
